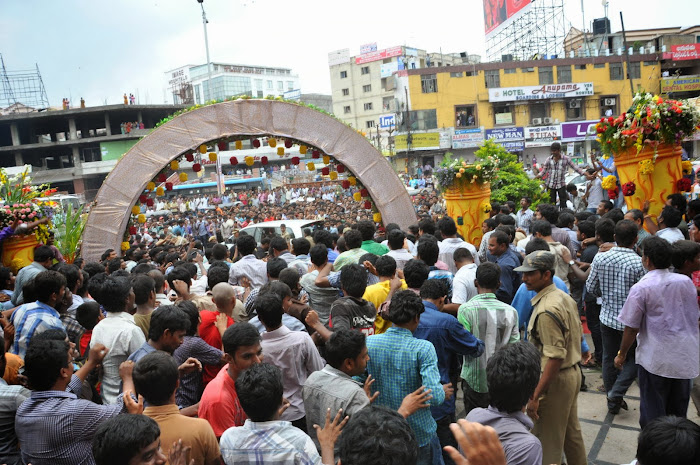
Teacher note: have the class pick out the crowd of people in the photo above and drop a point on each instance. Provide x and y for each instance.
(200, 344)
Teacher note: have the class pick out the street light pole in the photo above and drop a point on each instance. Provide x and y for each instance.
(206, 45)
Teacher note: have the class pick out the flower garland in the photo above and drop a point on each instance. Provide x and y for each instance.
(628, 189)
(609, 182)
(646, 167)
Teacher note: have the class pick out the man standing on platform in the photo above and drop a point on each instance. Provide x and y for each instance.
(555, 167)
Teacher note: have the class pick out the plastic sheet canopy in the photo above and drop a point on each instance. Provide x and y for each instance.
(120, 191)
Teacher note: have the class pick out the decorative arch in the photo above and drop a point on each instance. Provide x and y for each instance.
(121, 189)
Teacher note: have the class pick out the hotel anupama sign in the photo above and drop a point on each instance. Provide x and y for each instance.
(547, 91)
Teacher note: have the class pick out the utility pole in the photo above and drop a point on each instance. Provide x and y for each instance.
(627, 54)
(206, 45)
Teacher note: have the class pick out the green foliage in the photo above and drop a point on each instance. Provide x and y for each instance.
(512, 182)
(69, 226)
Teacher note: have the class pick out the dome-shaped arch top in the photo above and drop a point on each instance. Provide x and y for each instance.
(109, 215)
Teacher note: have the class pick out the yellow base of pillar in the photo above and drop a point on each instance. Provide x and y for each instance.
(18, 251)
(467, 204)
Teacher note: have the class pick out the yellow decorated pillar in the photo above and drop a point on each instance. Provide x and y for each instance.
(654, 186)
(468, 204)
(18, 251)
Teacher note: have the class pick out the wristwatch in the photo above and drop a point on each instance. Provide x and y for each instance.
(572, 263)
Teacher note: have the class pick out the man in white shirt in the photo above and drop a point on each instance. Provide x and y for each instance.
(396, 240)
(463, 287)
(523, 217)
(451, 242)
(118, 332)
(668, 221)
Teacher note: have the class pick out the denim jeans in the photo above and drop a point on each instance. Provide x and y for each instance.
(616, 381)
(593, 322)
(446, 437)
(431, 453)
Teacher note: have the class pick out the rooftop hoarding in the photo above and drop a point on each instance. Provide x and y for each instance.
(546, 91)
(499, 14)
(379, 55)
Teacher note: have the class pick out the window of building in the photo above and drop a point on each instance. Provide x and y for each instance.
(503, 113)
(574, 109)
(388, 104)
(616, 73)
(280, 86)
(420, 120)
(269, 85)
(492, 78)
(635, 70)
(599, 65)
(260, 94)
(364, 70)
(465, 116)
(368, 106)
(510, 70)
(258, 84)
(539, 113)
(369, 124)
(563, 74)
(346, 92)
(367, 88)
(290, 85)
(343, 74)
(546, 75)
(428, 83)
(456, 75)
(608, 106)
(346, 109)
(581, 67)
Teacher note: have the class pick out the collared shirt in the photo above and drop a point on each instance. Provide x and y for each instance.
(495, 323)
(195, 433)
(463, 287)
(520, 446)
(510, 279)
(122, 337)
(376, 294)
(191, 386)
(56, 428)
(447, 248)
(641, 235)
(141, 352)
(287, 320)
(451, 340)
(31, 319)
(330, 388)
(401, 256)
(663, 306)
(546, 334)
(595, 192)
(348, 257)
(301, 263)
(523, 305)
(670, 234)
(332, 255)
(401, 363)
(295, 354)
(320, 298)
(268, 442)
(524, 219)
(25, 275)
(219, 404)
(557, 171)
(374, 247)
(250, 267)
(74, 330)
(11, 397)
(612, 275)
(484, 246)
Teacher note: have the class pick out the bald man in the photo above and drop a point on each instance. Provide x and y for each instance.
(214, 323)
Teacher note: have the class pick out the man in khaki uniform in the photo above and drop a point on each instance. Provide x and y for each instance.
(555, 329)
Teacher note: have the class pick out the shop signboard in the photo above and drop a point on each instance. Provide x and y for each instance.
(505, 134)
(467, 138)
(542, 136)
(578, 131)
(680, 84)
(419, 141)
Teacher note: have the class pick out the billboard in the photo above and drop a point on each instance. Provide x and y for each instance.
(387, 121)
(498, 14)
(542, 136)
(467, 138)
(379, 55)
(685, 52)
(368, 48)
(505, 134)
(680, 84)
(578, 131)
(292, 94)
(546, 91)
(422, 141)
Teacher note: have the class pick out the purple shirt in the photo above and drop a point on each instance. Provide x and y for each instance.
(663, 305)
(520, 446)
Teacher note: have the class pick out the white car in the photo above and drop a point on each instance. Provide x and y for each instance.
(269, 228)
(578, 180)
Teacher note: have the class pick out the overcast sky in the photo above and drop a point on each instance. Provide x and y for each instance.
(100, 49)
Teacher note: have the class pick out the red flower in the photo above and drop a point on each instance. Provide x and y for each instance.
(142, 199)
(189, 157)
(315, 154)
(256, 143)
(168, 186)
(340, 169)
(288, 143)
(345, 184)
(684, 184)
(364, 192)
(295, 160)
(628, 189)
(612, 193)
(162, 177)
(196, 167)
(222, 146)
(233, 160)
(149, 202)
(325, 171)
(368, 204)
(132, 230)
(263, 160)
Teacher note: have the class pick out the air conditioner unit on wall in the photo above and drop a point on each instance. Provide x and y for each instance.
(536, 121)
(609, 102)
(574, 103)
(547, 120)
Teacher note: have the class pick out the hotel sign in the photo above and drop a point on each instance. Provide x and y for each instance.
(547, 91)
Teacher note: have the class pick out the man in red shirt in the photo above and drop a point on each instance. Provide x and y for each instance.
(213, 324)
(219, 404)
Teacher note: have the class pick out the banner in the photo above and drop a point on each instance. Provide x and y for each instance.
(680, 84)
(685, 52)
(379, 55)
(505, 134)
(547, 91)
(498, 14)
(423, 141)
(542, 136)
(578, 131)
(467, 138)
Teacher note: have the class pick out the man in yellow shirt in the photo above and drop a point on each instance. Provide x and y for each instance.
(384, 289)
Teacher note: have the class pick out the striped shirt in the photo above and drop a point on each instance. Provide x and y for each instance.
(557, 171)
(400, 364)
(31, 319)
(191, 387)
(495, 323)
(268, 442)
(11, 397)
(612, 275)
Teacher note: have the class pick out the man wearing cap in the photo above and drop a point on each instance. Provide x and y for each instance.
(555, 329)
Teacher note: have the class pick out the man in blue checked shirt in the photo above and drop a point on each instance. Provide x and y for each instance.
(451, 342)
(401, 364)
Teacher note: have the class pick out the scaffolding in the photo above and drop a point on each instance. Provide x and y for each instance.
(536, 34)
(21, 91)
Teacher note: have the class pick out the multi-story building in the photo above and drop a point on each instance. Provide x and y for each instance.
(75, 149)
(526, 105)
(190, 84)
(363, 86)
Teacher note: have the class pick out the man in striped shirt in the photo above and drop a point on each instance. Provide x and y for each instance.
(490, 320)
(555, 167)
